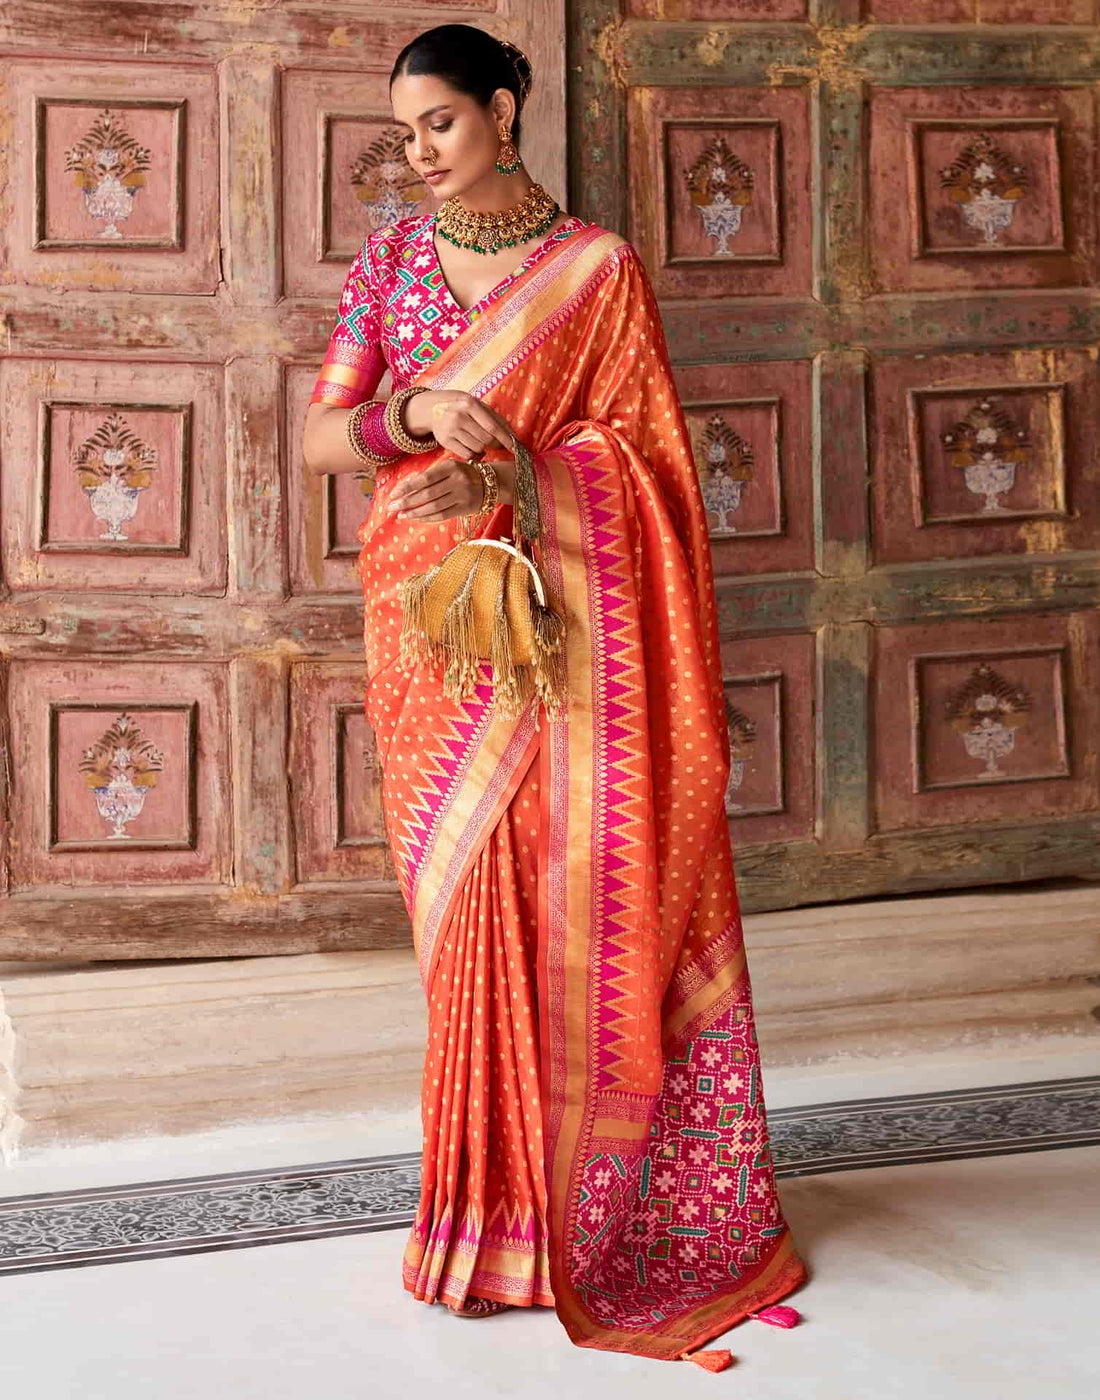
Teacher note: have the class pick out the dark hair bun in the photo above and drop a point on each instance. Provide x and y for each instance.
(470, 60)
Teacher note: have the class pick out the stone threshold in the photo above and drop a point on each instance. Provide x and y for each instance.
(93, 1053)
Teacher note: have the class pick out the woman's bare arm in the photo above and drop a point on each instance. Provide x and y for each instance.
(325, 445)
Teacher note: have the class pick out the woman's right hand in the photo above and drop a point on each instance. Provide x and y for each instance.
(461, 423)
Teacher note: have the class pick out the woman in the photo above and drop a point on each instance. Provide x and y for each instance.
(595, 1136)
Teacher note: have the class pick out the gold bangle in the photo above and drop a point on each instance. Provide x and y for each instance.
(355, 442)
(398, 433)
(490, 486)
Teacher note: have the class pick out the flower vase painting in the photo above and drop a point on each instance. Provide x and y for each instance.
(987, 710)
(742, 732)
(725, 463)
(383, 181)
(987, 447)
(986, 185)
(120, 768)
(113, 467)
(109, 167)
(720, 186)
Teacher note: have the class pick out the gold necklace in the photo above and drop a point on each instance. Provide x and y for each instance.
(500, 228)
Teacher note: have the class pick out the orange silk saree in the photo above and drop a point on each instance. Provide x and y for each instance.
(595, 1135)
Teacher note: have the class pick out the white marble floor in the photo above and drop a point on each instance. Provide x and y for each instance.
(974, 1277)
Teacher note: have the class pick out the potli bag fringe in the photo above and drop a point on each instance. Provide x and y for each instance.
(485, 599)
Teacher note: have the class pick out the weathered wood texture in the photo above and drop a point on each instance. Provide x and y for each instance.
(852, 321)
(859, 351)
(164, 316)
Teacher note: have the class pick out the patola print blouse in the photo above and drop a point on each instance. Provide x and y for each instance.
(397, 311)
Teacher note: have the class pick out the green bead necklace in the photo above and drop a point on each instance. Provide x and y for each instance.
(502, 228)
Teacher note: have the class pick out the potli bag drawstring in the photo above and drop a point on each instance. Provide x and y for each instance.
(486, 600)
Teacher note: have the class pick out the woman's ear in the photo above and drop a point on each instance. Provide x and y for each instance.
(503, 104)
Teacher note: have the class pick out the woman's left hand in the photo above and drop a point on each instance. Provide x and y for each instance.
(446, 489)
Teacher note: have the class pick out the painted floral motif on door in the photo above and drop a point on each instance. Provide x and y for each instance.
(987, 447)
(384, 182)
(988, 717)
(720, 181)
(122, 776)
(986, 711)
(720, 186)
(367, 182)
(110, 176)
(754, 720)
(742, 734)
(116, 478)
(985, 184)
(114, 467)
(120, 768)
(725, 463)
(109, 167)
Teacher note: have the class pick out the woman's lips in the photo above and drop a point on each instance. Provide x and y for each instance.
(432, 176)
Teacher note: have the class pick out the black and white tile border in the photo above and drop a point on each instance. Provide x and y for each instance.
(239, 1210)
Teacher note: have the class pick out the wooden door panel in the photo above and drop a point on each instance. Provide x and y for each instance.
(751, 434)
(981, 11)
(121, 774)
(114, 476)
(114, 171)
(986, 721)
(341, 161)
(335, 777)
(324, 512)
(719, 197)
(875, 249)
(985, 454)
(769, 687)
(181, 193)
(975, 188)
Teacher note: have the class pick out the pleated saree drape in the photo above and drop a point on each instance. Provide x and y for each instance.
(595, 1134)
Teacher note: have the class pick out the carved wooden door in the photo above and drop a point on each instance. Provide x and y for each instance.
(186, 767)
(875, 246)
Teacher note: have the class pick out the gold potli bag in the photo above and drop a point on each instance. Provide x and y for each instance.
(486, 599)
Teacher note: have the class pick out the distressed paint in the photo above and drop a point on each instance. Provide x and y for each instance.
(842, 718)
(921, 508)
(56, 402)
(926, 777)
(771, 680)
(214, 601)
(882, 311)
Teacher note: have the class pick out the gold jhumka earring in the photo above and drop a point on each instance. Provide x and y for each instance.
(507, 157)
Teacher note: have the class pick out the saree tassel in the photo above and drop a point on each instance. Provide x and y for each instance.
(549, 662)
(415, 646)
(779, 1315)
(508, 683)
(709, 1360)
(458, 643)
(549, 627)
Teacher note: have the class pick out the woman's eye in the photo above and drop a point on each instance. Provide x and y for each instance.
(446, 127)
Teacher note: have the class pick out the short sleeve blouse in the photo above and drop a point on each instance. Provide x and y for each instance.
(397, 310)
(354, 362)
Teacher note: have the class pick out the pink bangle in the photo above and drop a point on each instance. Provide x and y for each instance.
(373, 434)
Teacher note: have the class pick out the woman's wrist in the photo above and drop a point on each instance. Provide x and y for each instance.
(416, 414)
(506, 481)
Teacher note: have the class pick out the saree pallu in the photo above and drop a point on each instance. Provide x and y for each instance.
(595, 1132)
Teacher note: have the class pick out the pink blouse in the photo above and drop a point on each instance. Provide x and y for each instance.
(397, 312)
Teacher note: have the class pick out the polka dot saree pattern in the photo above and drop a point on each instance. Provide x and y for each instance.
(595, 1131)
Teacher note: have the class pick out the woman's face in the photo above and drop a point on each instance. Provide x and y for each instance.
(435, 116)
